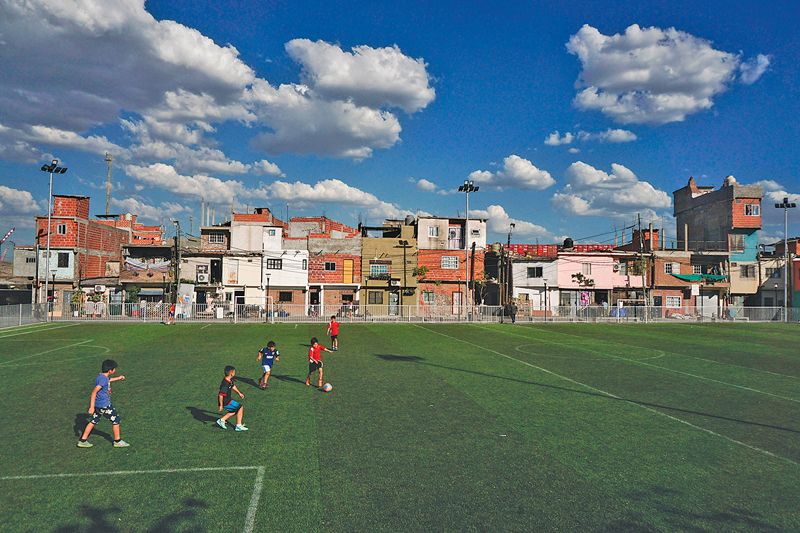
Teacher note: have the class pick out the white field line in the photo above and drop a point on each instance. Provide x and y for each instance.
(641, 362)
(3, 335)
(251, 509)
(664, 352)
(45, 352)
(708, 431)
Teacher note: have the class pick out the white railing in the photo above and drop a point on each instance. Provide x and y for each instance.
(18, 315)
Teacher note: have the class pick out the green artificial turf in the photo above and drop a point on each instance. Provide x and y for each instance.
(430, 427)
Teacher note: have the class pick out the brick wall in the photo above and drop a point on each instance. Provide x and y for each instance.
(318, 274)
(432, 259)
(740, 220)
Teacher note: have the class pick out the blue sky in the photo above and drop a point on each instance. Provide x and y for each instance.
(572, 119)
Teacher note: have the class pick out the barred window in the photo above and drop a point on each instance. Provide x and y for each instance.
(735, 243)
(275, 264)
(216, 238)
(450, 262)
(428, 297)
(375, 297)
(747, 271)
(673, 301)
(285, 296)
(330, 266)
(752, 210)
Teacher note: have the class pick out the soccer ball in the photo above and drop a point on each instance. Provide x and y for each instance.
(327, 387)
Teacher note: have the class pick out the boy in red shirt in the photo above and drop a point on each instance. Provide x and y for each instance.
(315, 359)
(333, 331)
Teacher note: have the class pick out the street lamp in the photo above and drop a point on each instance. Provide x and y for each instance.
(467, 188)
(51, 168)
(785, 205)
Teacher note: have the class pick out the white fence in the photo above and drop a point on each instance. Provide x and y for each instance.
(145, 312)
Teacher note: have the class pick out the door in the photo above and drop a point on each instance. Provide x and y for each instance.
(347, 271)
(394, 300)
(216, 270)
(456, 303)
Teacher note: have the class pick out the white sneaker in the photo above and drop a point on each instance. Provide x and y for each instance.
(240, 427)
(221, 423)
(120, 444)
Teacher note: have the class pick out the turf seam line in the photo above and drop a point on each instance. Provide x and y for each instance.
(755, 448)
(640, 362)
(672, 353)
(37, 331)
(133, 472)
(46, 352)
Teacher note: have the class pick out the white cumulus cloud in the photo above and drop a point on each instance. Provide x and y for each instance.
(649, 75)
(754, 68)
(517, 173)
(499, 222)
(592, 192)
(371, 77)
(554, 139)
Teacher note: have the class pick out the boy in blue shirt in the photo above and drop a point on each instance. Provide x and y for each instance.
(267, 356)
(100, 405)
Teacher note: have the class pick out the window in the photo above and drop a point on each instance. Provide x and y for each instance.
(752, 210)
(379, 270)
(534, 272)
(428, 297)
(275, 264)
(450, 262)
(623, 268)
(773, 272)
(587, 269)
(305, 264)
(375, 297)
(697, 269)
(61, 229)
(63, 260)
(216, 238)
(271, 232)
(672, 268)
(433, 231)
(735, 243)
(673, 301)
(285, 296)
(747, 271)
(330, 266)
(475, 232)
(30, 259)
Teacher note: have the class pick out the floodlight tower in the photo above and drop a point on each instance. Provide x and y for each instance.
(467, 188)
(52, 168)
(785, 205)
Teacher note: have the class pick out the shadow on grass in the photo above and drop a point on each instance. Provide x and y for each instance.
(286, 378)
(246, 381)
(81, 419)
(419, 360)
(733, 519)
(203, 416)
(108, 520)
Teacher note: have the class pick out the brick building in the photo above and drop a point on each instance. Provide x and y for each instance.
(80, 248)
(334, 262)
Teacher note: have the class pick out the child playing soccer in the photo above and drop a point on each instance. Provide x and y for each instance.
(227, 403)
(315, 359)
(333, 331)
(100, 405)
(267, 356)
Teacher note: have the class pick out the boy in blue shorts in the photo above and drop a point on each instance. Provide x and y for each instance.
(100, 405)
(227, 403)
(267, 356)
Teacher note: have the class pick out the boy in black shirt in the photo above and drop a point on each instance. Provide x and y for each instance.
(225, 401)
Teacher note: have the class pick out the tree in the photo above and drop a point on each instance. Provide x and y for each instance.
(582, 280)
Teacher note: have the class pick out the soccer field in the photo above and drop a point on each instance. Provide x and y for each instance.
(485, 428)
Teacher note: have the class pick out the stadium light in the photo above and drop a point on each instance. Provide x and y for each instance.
(467, 188)
(785, 205)
(51, 169)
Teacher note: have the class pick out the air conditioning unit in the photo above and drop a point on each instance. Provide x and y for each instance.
(99, 288)
(616, 267)
(202, 278)
(395, 283)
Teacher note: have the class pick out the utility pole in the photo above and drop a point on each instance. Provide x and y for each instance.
(108, 160)
(177, 258)
(641, 259)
